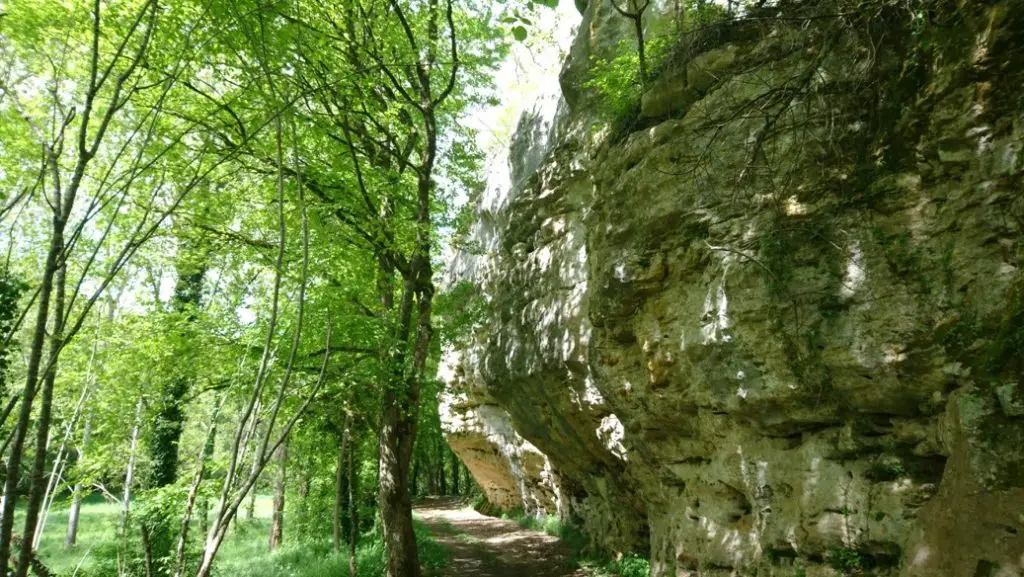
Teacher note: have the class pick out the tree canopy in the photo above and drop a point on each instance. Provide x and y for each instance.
(222, 220)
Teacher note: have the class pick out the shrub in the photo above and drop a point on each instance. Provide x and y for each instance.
(631, 566)
(844, 560)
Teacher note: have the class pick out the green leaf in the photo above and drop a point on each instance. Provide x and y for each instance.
(519, 33)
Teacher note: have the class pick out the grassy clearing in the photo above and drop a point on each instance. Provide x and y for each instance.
(249, 557)
(244, 552)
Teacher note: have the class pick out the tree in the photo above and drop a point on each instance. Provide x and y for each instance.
(635, 13)
(126, 111)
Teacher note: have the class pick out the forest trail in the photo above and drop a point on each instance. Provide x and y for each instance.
(482, 546)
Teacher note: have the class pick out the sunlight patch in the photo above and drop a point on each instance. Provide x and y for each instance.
(611, 433)
(854, 277)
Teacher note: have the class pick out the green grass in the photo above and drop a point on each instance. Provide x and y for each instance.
(244, 552)
(250, 558)
(97, 524)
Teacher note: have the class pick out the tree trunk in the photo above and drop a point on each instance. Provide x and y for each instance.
(277, 519)
(638, 25)
(353, 511)
(302, 513)
(28, 394)
(170, 418)
(440, 466)
(71, 536)
(455, 474)
(339, 496)
(38, 490)
(129, 474)
(204, 502)
(179, 552)
(250, 508)
(393, 495)
(414, 480)
(60, 462)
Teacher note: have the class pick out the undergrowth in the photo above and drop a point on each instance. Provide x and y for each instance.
(100, 553)
(316, 559)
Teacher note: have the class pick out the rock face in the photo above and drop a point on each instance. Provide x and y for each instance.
(774, 323)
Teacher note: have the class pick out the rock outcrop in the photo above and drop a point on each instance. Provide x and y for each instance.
(771, 323)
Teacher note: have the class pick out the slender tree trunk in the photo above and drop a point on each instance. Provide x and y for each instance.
(71, 537)
(179, 554)
(169, 420)
(147, 551)
(339, 496)
(28, 395)
(302, 508)
(353, 510)
(61, 460)
(401, 403)
(250, 508)
(52, 486)
(455, 474)
(38, 491)
(129, 474)
(277, 519)
(440, 466)
(204, 502)
(229, 501)
(638, 25)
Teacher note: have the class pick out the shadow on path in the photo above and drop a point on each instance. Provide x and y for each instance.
(483, 546)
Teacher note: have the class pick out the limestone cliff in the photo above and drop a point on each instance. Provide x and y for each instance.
(771, 322)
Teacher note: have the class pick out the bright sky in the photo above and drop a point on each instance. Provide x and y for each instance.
(529, 71)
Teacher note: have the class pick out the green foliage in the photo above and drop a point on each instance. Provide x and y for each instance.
(461, 308)
(630, 566)
(96, 538)
(519, 16)
(199, 111)
(886, 468)
(844, 560)
(481, 505)
(101, 553)
(11, 289)
(617, 82)
(314, 558)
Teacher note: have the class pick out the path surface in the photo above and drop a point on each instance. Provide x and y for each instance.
(483, 546)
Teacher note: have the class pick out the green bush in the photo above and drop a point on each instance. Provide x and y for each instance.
(617, 82)
(844, 560)
(630, 566)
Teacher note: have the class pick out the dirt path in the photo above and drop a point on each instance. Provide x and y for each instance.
(483, 546)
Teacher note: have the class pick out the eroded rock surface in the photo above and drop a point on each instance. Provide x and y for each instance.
(774, 325)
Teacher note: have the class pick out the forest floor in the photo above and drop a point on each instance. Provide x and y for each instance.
(482, 546)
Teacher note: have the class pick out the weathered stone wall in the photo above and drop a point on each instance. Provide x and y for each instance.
(774, 324)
